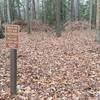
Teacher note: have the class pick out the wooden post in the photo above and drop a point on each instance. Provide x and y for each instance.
(12, 43)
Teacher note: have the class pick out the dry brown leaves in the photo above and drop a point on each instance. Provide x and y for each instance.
(50, 68)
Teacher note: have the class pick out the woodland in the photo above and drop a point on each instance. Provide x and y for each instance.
(58, 54)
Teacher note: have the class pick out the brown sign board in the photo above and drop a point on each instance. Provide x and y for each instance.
(12, 36)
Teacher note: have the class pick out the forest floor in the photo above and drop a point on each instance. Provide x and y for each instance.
(51, 68)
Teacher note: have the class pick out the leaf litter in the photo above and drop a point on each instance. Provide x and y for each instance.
(51, 68)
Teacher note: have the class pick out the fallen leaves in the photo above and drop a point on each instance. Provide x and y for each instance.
(50, 68)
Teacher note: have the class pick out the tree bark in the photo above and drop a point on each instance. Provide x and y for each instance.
(98, 21)
(8, 12)
(37, 8)
(1, 12)
(72, 11)
(58, 18)
(75, 10)
(91, 5)
(18, 9)
(5, 10)
(28, 16)
(33, 9)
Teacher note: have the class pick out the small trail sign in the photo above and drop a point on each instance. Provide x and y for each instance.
(12, 43)
(12, 36)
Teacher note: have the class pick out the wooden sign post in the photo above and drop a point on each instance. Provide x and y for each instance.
(12, 43)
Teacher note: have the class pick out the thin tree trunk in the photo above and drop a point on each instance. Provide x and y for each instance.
(0, 23)
(75, 10)
(1, 13)
(44, 11)
(91, 5)
(24, 13)
(12, 9)
(5, 10)
(37, 8)
(8, 12)
(28, 17)
(18, 8)
(33, 9)
(94, 13)
(76, 7)
(72, 11)
(78, 10)
(98, 21)
(58, 18)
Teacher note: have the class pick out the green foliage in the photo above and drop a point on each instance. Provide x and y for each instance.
(48, 11)
(84, 11)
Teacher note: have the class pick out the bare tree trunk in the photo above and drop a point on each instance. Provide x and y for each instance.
(18, 8)
(37, 8)
(0, 23)
(5, 10)
(94, 11)
(98, 21)
(58, 18)
(75, 10)
(91, 5)
(72, 11)
(1, 30)
(24, 11)
(1, 12)
(12, 9)
(29, 16)
(44, 11)
(8, 12)
(33, 9)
